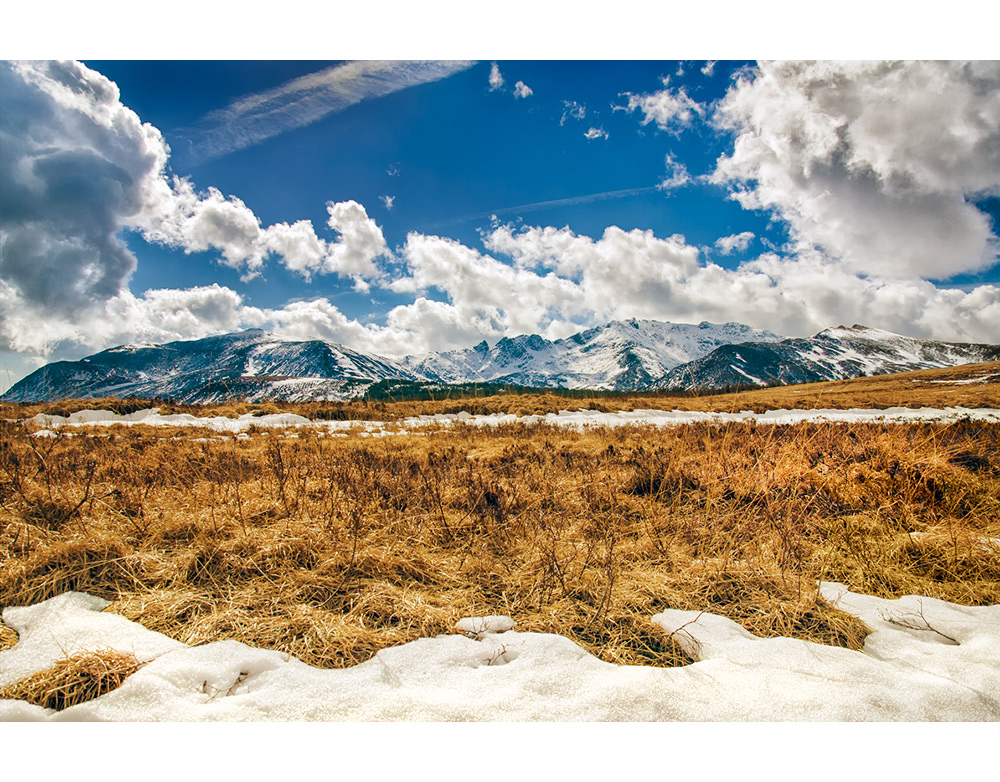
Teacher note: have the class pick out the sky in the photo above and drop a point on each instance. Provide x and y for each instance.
(406, 206)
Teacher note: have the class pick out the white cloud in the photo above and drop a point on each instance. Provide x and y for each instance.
(836, 150)
(496, 80)
(877, 163)
(361, 242)
(307, 99)
(676, 176)
(77, 167)
(320, 319)
(735, 243)
(572, 110)
(709, 68)
(298, 247)
(182, 218)
(157, 316)
(669, 109)
(636, 274)
(387, 202)
(593, 133)
(482, 289)
(522, 90)
(210, 221)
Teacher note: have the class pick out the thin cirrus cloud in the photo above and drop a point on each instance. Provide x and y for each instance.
(256, 118)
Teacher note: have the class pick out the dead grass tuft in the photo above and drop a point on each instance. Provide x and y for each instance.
(7, 637)
(75, 679)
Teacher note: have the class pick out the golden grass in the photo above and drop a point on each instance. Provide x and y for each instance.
(7, 637)
(75, 679)
(330, 549)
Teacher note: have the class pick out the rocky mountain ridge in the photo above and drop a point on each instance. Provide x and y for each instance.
(631, 355)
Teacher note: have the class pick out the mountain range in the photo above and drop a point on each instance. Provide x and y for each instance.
(630, 355)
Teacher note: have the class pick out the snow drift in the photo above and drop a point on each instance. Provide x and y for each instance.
(925, 659)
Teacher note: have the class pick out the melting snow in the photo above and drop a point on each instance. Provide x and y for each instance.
(577, 419)
(926, 659)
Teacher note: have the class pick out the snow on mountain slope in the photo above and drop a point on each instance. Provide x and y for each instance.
(622, 355)
(630, 355)
(833, 354)
(251, 364)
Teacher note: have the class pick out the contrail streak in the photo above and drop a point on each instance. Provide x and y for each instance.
(538, 205)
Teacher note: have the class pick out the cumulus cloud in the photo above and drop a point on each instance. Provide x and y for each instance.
(300, 250)
(491, 297)
(669, 109)
(636, 274)
(735, 243)
(840, 152)
(361, 241)
(708, 68)
(522, 90)
(320, 319)
(78, 166)
(877, 164)
(352, 255)
(593, 133)
(157, 316)
(496, 80)
(387, 202)
(307, 99)
(196, 222)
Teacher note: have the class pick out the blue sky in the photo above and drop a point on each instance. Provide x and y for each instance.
(451, 154)
(413, 206)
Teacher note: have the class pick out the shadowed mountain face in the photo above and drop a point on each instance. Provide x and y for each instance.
(253, 365)
(834, 354)
(631, 355)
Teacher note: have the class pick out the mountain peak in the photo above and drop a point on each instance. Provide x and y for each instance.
(627, 355)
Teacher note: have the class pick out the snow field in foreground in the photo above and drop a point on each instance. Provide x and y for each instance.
(578, 419)
(925, 659)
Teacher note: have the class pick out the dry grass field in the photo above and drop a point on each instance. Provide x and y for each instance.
(331, 548)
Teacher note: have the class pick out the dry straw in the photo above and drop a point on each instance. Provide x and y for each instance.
(78, 678)
(330, 549)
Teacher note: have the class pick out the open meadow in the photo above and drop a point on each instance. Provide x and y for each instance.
(331, 547)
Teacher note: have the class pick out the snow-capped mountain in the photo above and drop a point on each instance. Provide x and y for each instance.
(834, 354)
(629, 355)
(622, 356)
(252, 364)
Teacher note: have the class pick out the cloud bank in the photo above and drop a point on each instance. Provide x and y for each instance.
(877, 164)
(877, 183)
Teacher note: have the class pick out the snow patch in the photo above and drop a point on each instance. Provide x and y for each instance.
(572, 419)
(926, 659)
